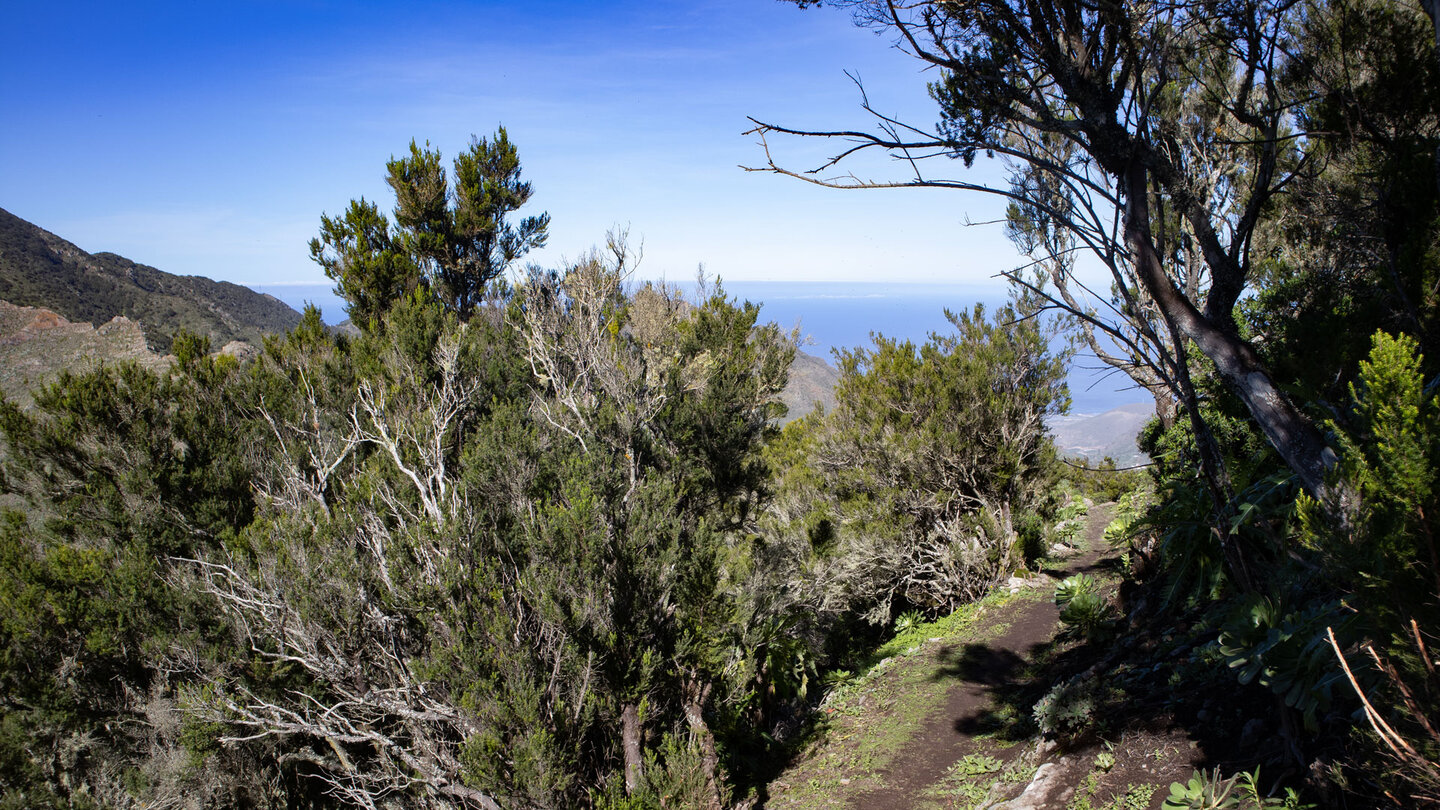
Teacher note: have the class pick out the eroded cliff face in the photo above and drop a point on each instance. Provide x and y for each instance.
(37, 344)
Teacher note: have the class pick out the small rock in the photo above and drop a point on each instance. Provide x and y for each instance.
(240, 350)
(1053, 785)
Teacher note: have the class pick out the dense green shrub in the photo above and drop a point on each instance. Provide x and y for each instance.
(930, 480)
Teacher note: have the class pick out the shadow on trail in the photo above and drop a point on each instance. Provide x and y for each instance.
(1009, 674)
(1148, 682)
(1012, 681)
(979, 663)
(1061, 569)
(1015, 671)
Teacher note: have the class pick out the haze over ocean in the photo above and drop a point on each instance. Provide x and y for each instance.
(837, 315)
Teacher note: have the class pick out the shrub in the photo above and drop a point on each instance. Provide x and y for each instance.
(1067, 710)
(1083, 608)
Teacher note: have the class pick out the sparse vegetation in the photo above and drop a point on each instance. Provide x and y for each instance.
(1083, 608)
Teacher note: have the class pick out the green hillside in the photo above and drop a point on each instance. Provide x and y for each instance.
(38, 268)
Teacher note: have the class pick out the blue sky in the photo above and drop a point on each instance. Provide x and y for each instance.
(208, 138)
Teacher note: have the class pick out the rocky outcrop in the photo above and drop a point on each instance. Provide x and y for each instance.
(36, 344)
(811, 384)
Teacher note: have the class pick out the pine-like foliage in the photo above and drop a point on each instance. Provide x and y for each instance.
(500, 560)
(452, 233)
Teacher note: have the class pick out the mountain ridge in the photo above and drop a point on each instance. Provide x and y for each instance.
(41, 269)
(1111, 434)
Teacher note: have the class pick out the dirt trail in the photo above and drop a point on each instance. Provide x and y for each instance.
(980, 670)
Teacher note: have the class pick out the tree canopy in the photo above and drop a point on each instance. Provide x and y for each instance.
(1156, 137)
(452, 233)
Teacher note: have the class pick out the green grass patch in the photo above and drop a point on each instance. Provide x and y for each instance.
(910, 640)
(1135, 797)
(869, 716)
(975, 780)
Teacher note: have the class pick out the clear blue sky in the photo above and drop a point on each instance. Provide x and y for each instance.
(207, 138)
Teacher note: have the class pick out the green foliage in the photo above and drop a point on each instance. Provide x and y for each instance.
(450, 237)
(1389, 447)
(993, 378)
(1073, 507)
(907, 620)
(1203, 791)
(1069, 518)
(1382, 555)
(119, 458)
(1363, 576)
(1206, 790)
(1191, 556)
(1129, 511)
(363, 255)
(973, 765)
(122, 471)
(1083, 608)
(1280, 236)
(1135, 797)
(1287, 652)
(1353, 249)
(928, 480)
(1102, 482)
(417, 531)
(510, 562)
(1030, 546)
(1068, 710)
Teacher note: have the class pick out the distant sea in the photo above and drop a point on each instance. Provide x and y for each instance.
(838, 315)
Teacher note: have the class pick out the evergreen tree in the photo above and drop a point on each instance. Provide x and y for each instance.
(451, 237)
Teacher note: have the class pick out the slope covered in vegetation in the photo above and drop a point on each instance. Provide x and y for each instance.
(539, 542)
(39, 269)
(515, 545)
(1255, 183)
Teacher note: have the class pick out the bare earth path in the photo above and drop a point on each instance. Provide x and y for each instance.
(893, 743)
(981, 669)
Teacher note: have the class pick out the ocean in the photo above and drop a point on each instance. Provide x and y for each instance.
(841, 315)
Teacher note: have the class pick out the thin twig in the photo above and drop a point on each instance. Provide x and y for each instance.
(1424, 653)
(1377, 722)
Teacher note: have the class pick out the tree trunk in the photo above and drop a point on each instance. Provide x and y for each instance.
(1165, 406)
(630, 743)
(695, 717)
(1297, 441)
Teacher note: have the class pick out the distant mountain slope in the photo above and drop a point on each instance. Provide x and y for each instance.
(38, 268)
(1109, 434)
(812, 382)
